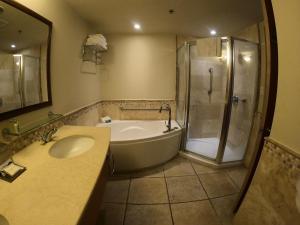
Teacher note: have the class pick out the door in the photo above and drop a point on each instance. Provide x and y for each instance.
(243, 99)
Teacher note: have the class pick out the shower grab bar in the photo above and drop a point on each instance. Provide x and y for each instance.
(210, 80)
(124, 108)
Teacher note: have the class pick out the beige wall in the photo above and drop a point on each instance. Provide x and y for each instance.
(69, 86)
(139, 67)
(286, 122)
(250, 33)
(71, 89)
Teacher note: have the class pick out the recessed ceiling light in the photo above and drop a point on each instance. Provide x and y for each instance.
(137, 26)
(213, 32)
(13, 46)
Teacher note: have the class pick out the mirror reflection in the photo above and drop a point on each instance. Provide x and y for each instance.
(23, 59)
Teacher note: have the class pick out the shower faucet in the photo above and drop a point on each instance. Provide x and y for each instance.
(168, 108)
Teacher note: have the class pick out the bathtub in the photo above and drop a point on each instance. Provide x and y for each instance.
(138, 144)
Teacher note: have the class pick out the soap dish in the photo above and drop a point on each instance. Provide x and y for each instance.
(9, 170)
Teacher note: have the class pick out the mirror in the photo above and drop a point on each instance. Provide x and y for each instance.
(25, 39)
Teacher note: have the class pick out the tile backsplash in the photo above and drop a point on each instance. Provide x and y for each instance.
(136, 109)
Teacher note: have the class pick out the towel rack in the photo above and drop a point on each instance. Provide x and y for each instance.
(92, 53)
(125, 108)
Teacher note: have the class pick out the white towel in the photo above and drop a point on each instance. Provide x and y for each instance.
(97, 40)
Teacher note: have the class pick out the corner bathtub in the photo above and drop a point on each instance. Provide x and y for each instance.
(138, 144)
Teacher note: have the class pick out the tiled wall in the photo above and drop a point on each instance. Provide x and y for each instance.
(274, 195)
(136, 109)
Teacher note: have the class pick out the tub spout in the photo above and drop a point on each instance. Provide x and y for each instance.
(167, 107)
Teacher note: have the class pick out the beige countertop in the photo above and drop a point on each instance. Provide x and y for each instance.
(54, 191)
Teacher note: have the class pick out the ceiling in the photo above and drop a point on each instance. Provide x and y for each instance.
(191, 17)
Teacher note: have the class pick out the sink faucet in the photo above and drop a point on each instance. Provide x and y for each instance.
(47, 135)
(167, 107)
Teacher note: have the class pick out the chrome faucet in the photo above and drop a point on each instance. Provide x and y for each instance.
(47, 135)
(167, 107)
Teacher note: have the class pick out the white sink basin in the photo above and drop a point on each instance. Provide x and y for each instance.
(3, 221)
(71, 146)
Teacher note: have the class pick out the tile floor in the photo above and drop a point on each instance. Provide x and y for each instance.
(178, 193)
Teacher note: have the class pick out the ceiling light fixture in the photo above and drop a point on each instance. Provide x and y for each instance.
(213, 32)
(13, 46)
(137, 26)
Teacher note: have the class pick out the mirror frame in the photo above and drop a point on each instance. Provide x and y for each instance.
(26, 109)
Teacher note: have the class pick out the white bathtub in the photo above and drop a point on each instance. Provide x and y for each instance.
(138, 144)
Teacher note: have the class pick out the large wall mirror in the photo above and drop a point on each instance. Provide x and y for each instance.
(25, 39)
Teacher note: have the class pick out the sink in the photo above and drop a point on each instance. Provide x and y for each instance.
(3, 221)
(71, 146)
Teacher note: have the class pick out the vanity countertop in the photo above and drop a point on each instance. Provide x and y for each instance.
(54, 191)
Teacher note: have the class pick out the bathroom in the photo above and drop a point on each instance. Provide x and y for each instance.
(172, 120)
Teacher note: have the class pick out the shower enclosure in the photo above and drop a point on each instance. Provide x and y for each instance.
(217, 98)
(20, 81)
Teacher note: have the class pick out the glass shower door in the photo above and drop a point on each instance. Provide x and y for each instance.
(182, 84)
(244, 99)
(208, 82)
(31, 80)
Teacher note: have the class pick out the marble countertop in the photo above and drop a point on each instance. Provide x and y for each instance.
(54, 191)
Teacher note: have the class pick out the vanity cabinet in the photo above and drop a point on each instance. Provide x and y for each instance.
(91, 213)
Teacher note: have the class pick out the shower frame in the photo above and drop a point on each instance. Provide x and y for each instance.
(228, 98)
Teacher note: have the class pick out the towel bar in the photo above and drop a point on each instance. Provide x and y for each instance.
(124, 108)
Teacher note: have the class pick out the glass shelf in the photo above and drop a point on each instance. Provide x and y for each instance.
(31, 126)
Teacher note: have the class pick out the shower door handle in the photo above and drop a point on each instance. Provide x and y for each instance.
(236, 99)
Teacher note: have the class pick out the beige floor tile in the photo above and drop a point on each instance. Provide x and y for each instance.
(116, 191)
(114, 214)
(194, 213)
(178, 167)
(148, 191)
(224, 207)
(217, 184)
(238, 175)
(153, 172)
(200, 169)
(184, 189)
(148, 215)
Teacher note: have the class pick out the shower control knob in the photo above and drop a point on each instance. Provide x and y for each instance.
(235, 99)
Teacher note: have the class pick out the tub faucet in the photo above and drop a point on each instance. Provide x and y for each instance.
(47, 135)
(167, 107)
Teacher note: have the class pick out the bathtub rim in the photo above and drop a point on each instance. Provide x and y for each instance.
(140, 140)
(149, 139)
